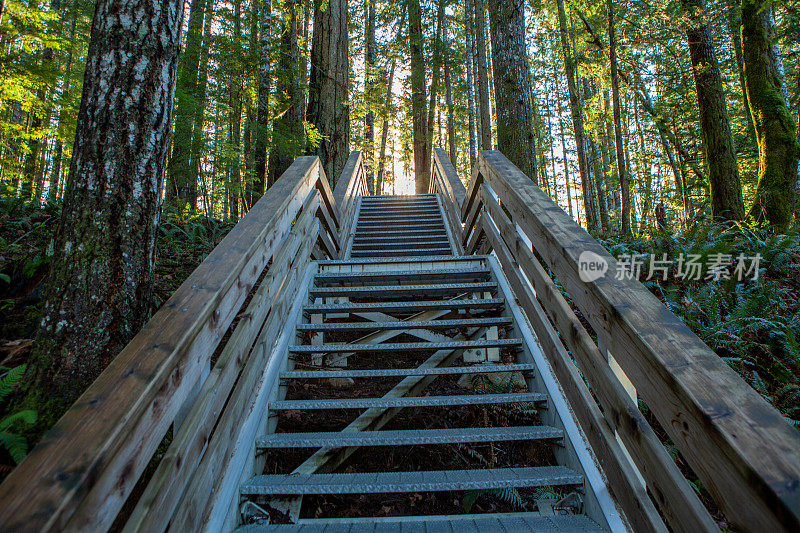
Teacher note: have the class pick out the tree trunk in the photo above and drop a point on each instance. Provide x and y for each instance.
(734, 28)
(369, 93)
(515, 132)
(198, 120)
(575, 109)
(386, 111)
(235, 92)
(186, 91)
(418, 99)
(288, 134)
(484, 105)
(264, 87)
(329, 84)
(723, 170)
(470, 84)
(776, 130)
(436, 63)
(99, 289)
(618, 140)
(451, 126)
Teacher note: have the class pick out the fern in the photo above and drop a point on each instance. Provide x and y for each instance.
(9, 381)
(16, 445)
(509, 495)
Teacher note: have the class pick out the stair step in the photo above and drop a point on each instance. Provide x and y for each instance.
(403, 346)
(508, 522)
(401, 253)
(358, 238)
(401, 290)
(430, 242)
(406, 224)
(407, 324)
(403, 372)
(397, 482)
(422, 305)
(408, 401)
(447, 274)
(413, 437)
(398, 231)
(432, 209)
(399, 217)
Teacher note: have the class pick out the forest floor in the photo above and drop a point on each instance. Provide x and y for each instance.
(753, 325)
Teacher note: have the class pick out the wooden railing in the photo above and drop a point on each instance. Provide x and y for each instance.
(182, 377)
(744, 452)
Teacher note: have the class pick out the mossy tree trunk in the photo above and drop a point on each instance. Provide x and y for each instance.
(723, 170)
(515, 131)
(288, 134)
(484, 105)
(179, 171)
(99, 289)
(328, 86)
(776, 131)
(419, 105)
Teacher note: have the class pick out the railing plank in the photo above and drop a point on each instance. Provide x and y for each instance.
(90, 461)
(675, 498)
(629, 492)
(170, 480)
(720, 424)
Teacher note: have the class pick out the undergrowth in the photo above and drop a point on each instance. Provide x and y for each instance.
(754, 325)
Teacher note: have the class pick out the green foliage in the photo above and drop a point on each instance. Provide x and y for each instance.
(16, 445)
(753, 325)
(509, 495)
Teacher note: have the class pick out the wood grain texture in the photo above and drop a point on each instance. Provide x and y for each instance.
(82, 471)
(719, 423)
(675, 498)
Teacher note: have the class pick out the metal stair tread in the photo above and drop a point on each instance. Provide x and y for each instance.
(399, 372)
(384, 275)
(422, 481)
(403, 346)
(406, 324)
(408, 401)
(407, 437)
(445, 288)
(465, 303)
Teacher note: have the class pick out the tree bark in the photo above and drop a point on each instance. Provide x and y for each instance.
(723, 170)
(264, 87)
(329, 84)
(288, 134)
(470, 83)
(369, 90)
(418, 99)
(575, 109)
(386, 110)
(179, 169)
(776, 131)
(484, 105)
(515, 131)
(235, 91)
(99, 289)
(436, 64)
(618, 140)
(451, 125)
(198, 136)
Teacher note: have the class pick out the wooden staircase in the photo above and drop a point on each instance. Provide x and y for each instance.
(346, 362)
(416, 323)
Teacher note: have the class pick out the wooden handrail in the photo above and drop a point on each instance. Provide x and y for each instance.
(445, 181)
(742, 449)
(83, 470)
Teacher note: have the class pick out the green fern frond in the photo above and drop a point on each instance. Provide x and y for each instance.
(16, 445)
(9, 382)
(27, 416)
